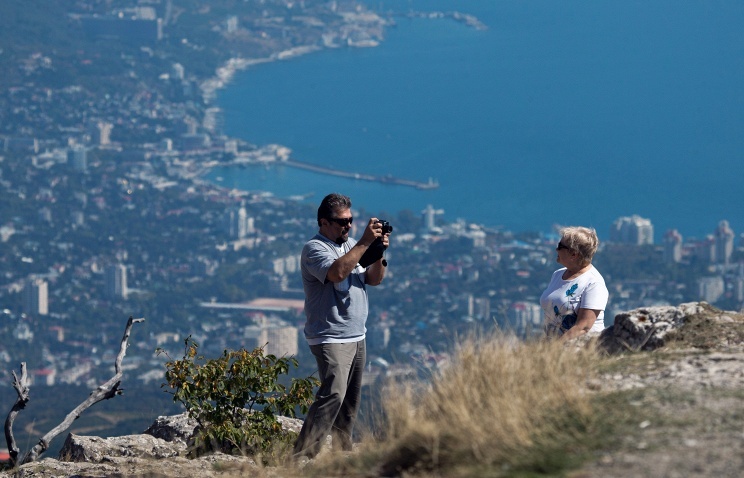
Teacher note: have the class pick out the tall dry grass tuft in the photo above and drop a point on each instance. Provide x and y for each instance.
(500, 402)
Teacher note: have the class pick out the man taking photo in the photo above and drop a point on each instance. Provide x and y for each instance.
(336, 308)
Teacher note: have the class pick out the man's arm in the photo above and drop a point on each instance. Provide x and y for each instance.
(376, 271)
(344, 265)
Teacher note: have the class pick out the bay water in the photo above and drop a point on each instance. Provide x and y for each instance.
(574, 112)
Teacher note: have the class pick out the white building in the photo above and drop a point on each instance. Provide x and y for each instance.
(237, 222)
(277, 338)
(711, 289)
(102, 133)
(632, 230)
(430, 215)
(36, 297)
(116, 281)
(286, 265)
(672, 246)
(232, 24)
(724, 237)
(178, 71)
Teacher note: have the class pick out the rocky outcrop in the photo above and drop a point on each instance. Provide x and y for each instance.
(710, 353)
(93, 449)
(646, 328)
(175, 428)
(159, 451)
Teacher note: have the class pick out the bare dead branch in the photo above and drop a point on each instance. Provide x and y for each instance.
(21, 388)
(103, 392)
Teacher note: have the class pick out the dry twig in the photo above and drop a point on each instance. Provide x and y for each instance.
(103, 392)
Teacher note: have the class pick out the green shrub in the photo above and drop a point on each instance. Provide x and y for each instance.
(236, 398)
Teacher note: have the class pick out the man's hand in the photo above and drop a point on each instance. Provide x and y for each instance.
(372, 232)
(386, 240)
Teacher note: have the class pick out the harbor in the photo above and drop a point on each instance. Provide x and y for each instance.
(386, 179)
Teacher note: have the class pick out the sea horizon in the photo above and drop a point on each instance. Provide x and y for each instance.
(573, 114)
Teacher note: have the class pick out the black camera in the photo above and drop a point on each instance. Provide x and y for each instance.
(377, 248)
(386, 227)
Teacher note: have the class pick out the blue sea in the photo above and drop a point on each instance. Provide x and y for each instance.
(562, 112)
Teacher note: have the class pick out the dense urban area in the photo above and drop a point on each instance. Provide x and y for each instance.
(107, 129)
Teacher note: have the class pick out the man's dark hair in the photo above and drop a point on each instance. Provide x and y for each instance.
(332, 203)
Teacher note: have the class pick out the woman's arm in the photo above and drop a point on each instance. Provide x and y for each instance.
(584, 322)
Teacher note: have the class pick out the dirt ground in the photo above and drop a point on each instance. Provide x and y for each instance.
(695, 401)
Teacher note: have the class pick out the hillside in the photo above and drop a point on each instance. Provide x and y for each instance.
(675, 410)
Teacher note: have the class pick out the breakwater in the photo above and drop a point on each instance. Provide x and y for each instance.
(386, 179)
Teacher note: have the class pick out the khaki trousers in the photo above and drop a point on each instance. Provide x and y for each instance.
(334, 411)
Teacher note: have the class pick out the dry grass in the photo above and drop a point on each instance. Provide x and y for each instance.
(504, 408)
(501, 407)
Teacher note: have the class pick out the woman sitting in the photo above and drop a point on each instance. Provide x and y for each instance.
(575, 300)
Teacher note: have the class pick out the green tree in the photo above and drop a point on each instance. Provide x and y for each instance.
(236, 398)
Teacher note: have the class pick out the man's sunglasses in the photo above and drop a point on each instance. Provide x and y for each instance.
(561, 246)
(342, 221)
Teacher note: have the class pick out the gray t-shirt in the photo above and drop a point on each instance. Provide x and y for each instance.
(336, 312)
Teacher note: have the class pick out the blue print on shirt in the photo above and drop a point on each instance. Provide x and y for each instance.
(570, 292)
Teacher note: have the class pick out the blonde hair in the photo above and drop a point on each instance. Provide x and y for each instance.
(582, 240)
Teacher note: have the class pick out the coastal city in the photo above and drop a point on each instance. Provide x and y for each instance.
(106, 141)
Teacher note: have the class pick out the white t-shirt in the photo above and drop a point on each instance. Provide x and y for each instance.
(562, 300)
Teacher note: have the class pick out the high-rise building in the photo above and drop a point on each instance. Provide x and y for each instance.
(277, 338)
(45, 214)
(102, 133)
(239, 225)
(116, 281)
(378, 335)
(672, 246)
(711, 288)
(77, 158)
(739, 285)
(231, 24)
(525, 318)
(286, 265)
(724, 242)
(178, 71)
(705, 250)
(36, 297)
(429, 215)
(632, 230)
(78, 218)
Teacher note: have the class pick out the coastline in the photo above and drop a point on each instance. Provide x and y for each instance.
(374, 36)
(280, 154)
(359, 30)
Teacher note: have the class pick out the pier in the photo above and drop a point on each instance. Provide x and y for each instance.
(386, 179)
